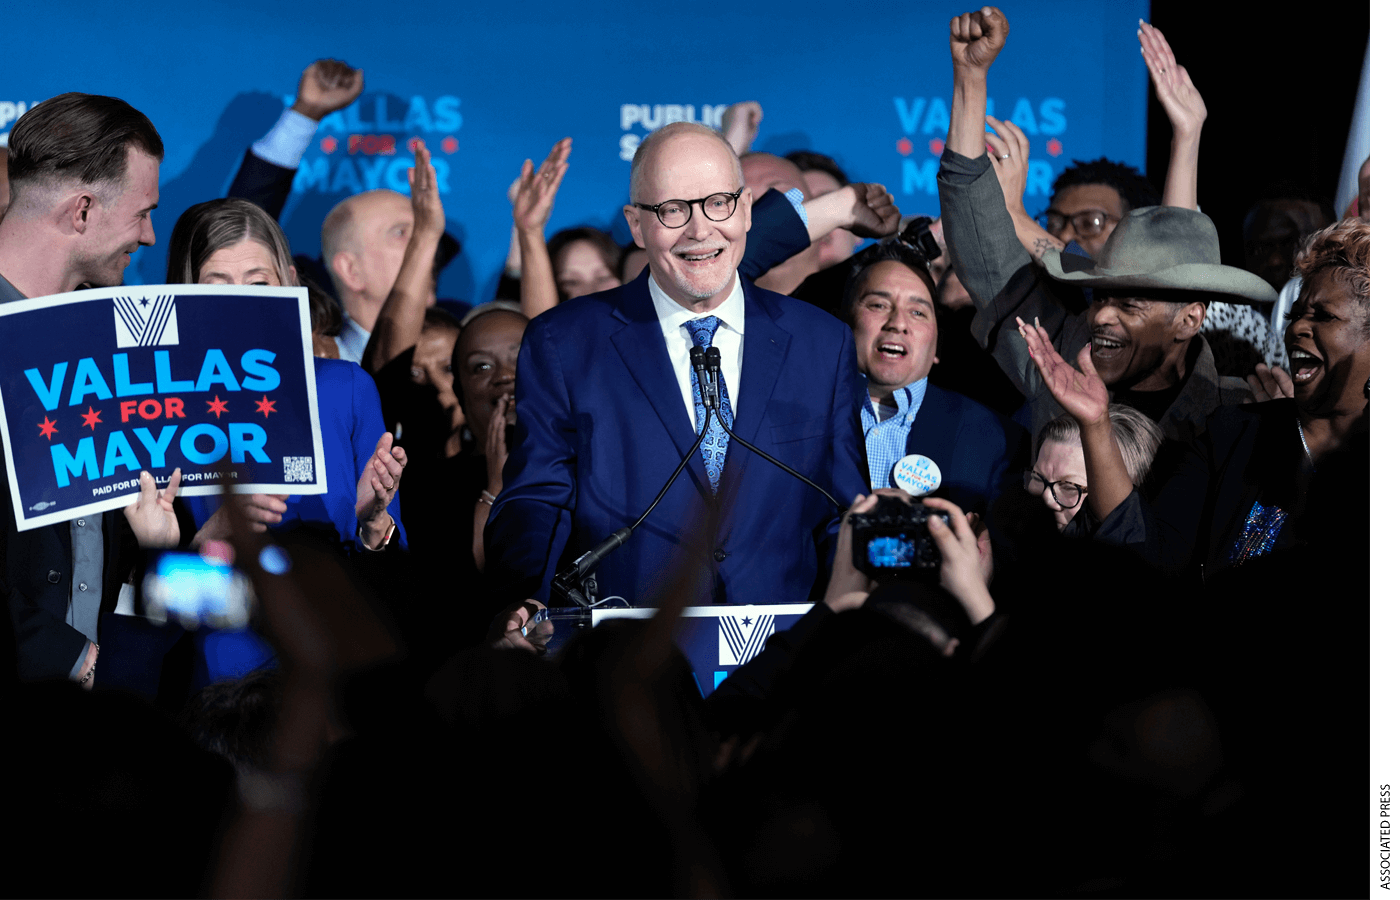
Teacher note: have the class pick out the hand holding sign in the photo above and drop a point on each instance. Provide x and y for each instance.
(152, 514)
(100, 386)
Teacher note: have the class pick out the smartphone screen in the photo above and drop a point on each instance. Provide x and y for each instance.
(196, 590)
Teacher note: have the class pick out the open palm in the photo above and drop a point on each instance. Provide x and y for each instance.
(1080, 391)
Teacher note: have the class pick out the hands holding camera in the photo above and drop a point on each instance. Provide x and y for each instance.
(963, 542)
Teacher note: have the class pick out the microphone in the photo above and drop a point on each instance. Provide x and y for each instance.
(575, 584)
(712, 365)
(697, 362)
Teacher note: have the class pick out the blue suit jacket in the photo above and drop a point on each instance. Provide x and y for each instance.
(980, 453)
(602, 424)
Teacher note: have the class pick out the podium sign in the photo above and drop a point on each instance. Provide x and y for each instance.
(718, 639)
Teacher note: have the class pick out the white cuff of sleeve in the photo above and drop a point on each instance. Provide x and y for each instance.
(285, 144)
(795, 198)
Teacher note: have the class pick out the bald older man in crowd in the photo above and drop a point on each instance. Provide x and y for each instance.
(608, 406)
(363, 240)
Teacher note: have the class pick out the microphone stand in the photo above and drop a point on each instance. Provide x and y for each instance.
(576, 584)
(712, 385)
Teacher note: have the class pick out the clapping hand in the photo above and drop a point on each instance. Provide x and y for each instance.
(1270, 383)
(534, 198)
(429, 220)
(495, 445)
(378, 484)
(1080, 391)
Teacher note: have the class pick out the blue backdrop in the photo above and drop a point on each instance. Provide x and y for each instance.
(487, 87)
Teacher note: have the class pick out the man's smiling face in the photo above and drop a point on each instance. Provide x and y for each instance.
(120, 224)
(697, 261)
(895, 333)
(1140, 343)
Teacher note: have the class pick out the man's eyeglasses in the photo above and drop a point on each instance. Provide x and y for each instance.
(675, 213)
(1066, 493)
(1088, 223)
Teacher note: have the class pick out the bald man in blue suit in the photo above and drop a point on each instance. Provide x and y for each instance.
(607, 409)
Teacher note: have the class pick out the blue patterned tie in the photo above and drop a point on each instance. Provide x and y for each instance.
(716, 442)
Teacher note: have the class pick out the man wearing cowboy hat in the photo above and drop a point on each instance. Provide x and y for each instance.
(1152, 281)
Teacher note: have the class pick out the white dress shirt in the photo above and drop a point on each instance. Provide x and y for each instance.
(352, 341)
(729, 338)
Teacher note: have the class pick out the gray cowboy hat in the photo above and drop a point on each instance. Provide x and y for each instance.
(1161, 248)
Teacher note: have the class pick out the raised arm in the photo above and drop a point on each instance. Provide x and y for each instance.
(866, 210)
(984, 248)
(1084, 395)
(534, 202)
(739, 125)
(401, 320)
(1011, 160)
(265, 177)
(983, 243)
(1186, 110)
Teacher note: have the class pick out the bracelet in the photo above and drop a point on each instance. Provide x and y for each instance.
(486, 497)
(93, 671)
(388, 536)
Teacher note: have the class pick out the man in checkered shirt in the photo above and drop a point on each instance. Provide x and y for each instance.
(889, 304)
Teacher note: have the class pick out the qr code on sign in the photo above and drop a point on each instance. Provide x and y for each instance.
(297, 468)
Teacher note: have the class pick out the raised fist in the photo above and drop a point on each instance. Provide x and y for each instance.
(977, 37)
(327, 85)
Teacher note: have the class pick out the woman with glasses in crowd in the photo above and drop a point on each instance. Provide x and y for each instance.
(1058, 474)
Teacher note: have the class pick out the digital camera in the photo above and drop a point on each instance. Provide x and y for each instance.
(893, 539)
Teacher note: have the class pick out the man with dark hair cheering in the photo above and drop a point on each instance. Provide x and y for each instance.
(890, 306)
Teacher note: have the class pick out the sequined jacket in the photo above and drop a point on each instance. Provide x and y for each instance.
(1197, 518)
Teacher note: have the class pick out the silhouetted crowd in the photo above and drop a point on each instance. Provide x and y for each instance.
(1078, 517)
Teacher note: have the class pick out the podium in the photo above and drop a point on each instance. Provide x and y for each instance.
(718, 639)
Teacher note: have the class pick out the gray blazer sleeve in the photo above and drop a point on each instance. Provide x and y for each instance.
(1002, 280)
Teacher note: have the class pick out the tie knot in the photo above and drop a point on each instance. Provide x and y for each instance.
(702, 331)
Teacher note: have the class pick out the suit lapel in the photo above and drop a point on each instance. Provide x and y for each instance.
(931, 434)
(765, 349)
(643, 351)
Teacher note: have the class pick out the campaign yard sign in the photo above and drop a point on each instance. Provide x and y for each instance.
(98, 385)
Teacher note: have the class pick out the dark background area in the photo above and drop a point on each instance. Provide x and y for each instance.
(1279, 88)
